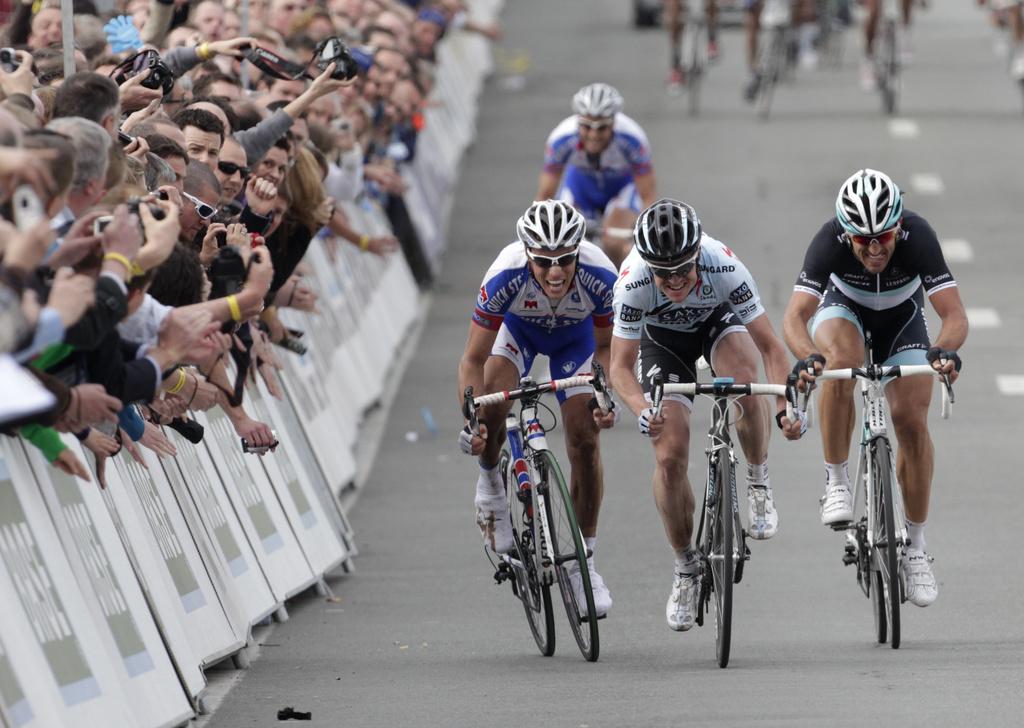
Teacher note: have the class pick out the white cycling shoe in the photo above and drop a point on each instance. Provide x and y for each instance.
(495, 523)
(917, 577)
(762, 517)
(602, 597)
(681, 609)
(837, 503)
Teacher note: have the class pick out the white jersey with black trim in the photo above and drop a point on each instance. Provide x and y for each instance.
(722, 278)
(509, 289)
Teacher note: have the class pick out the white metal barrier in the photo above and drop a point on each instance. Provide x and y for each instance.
(117, 599)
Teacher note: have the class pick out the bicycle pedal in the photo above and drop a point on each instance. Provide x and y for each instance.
(841, 525)
(849, 558)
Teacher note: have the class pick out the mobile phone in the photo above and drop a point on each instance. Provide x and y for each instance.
(26, 207)
(125, 139)
(9, 60)
(101, 223)
(259, 449)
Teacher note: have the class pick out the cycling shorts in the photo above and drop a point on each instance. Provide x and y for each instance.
(674, 354)
(899, 335)
(580, 191)
(569, 349)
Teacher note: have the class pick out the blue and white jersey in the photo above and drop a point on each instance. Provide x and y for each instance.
(593, 183)
(722, 278)
(509, 289)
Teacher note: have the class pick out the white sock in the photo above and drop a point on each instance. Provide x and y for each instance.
(757, 473)
(687, 561)
(488, 485)
(837, 472)
(915, 532)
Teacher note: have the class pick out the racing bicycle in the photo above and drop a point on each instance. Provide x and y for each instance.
(876, 538)
(721, 539)
(547, 539)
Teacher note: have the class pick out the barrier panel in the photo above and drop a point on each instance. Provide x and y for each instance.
(219, 536)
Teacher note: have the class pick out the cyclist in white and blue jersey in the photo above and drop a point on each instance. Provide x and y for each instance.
(550, 293)
(869, 268)
(599, 161)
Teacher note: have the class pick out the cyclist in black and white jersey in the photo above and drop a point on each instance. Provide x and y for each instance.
(869, 268)
(682, 294)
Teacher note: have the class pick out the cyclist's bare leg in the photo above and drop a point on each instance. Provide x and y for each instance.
(711, 13)
(915, 458)
(735, 356)
(500, 375)
(841, 344)
(586, 481)
(672, 492)
(617, 234)
(752, 24)
(674, 21)
(874, 9)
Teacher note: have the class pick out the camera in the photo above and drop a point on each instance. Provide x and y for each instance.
(333, 50)
(124, 138)
(259, 449)
(9, 60)
(133, 204)
(227, 273)
(26, 208)
(160, 76)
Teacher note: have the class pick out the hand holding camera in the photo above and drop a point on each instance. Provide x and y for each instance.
(16, 75)
(161, 233)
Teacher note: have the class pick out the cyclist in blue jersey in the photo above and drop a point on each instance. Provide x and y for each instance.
(869, 268)
(599, 161)
(549, 292)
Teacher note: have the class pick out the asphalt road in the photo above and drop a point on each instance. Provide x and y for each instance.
(422, 637)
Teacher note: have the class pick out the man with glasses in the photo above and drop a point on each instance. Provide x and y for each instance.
(550, 293)
(232, 170)
(681, 295)
(869, 268)
(200, 197)
(606, 161)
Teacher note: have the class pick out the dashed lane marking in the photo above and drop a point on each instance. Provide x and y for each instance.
(957, 251)
(983, 318)
(926, 183)
(904, 129)
(1012, 384)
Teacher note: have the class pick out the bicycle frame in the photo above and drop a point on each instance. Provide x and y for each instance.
(719, 444)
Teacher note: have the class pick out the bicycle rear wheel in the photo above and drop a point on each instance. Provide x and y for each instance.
(535, 596)
(771, 70)
(569, 550)
(721, 556)
(886, 548)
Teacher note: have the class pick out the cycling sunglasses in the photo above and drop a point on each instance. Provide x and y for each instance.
(229, 168)
(596, 125)
(682, 270)
(202, 209)
(882, 239)
(546, 261)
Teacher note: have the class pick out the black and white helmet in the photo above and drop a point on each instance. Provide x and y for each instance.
(869, 203)
(598, 100)
(667, 232)
(550, 225)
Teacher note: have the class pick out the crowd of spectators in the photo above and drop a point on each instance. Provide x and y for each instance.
(157, 203)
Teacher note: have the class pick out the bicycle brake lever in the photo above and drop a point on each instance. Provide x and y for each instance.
(657, 393)
(469, 411)
(602, 389)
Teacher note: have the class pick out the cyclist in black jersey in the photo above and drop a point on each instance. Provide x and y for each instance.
(869, 269)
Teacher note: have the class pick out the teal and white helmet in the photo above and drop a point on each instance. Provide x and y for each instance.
(869, 203)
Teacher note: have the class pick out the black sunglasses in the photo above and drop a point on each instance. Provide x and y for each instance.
(682, 270)
(229, 168)
(545, 261)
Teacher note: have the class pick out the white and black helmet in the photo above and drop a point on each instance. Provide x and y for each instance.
(869, 203)
(550, 225)
(598, 100)
(667, 232)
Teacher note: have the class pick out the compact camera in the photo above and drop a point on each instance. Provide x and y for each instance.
(133, 208)
(9, 60)
(160, 76)
(259, 449)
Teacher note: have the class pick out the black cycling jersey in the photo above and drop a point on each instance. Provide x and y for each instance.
(917, 261)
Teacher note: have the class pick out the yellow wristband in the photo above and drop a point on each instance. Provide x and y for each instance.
(203, 51)
(364, 242)
(236, 311)
(180, 384)
(123, 260)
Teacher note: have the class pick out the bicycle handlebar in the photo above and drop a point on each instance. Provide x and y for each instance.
(555, 385)
(723, 386)
(878, 372)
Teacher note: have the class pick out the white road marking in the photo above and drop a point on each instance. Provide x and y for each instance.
(957, 251)
(1010, 384)
(926, 183)
(983, 318)
(904, 128)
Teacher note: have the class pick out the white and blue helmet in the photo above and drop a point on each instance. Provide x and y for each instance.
(550, 225)
(869, 203)
(598, 101)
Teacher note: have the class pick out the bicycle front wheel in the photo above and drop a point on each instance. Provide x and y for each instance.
(698, 59)
(886, 549)
(570, 552)
(535, 596)
(721, 556)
